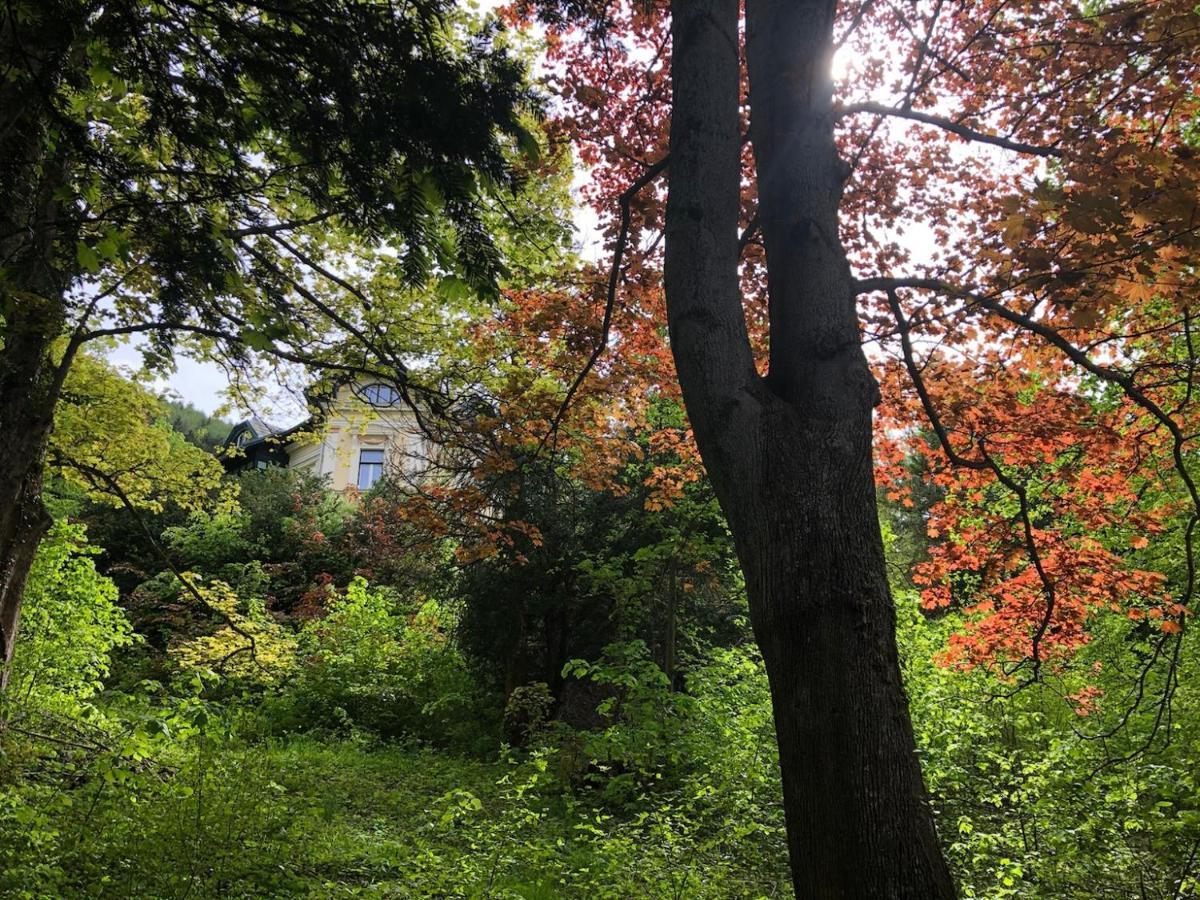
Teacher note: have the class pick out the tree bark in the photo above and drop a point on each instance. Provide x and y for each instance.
(27, 394)
(31, 297)
(790, 454)
(32, 317)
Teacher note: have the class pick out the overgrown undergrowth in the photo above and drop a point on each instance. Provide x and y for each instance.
(338, 816)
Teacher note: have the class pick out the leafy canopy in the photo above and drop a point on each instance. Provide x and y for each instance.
(183, 168)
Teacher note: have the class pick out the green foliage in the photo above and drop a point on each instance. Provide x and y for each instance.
(709, 749)
(673, 793)
(182, 802)
(286, 509)
(136, 801)
(70, 624)
(279, 543)
(678, 795)
(527, 712)
(374, 662)
(248, 646)
(605, 569)
(1037, 794)
(354, 752)
(1080, 785)
(526, 612)
(112, 442)
(390, 120)
(205, 431)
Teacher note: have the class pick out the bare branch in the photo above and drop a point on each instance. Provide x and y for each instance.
(970, 134)
(276, 228)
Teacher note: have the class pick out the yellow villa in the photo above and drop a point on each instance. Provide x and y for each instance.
(361, 432)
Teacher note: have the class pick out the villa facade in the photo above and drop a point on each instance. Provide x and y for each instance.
(360, 433)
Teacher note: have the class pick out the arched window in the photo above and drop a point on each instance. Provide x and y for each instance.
(244, 438)
(380, 395)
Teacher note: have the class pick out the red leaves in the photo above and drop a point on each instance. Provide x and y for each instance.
(1090, 231)
(1080, 465)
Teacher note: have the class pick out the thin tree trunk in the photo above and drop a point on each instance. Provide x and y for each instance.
(671, 629)
(790, 454)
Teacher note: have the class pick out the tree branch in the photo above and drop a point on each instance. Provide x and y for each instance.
(1113, 376)
(988, 462)
(98, 478)
(624, 203)
(276, 228)
(969, 134)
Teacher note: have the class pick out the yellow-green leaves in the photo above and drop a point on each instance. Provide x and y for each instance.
(260, 650)
(110, 438)
(70, 624)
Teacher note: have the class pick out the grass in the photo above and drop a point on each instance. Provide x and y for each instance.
(313, 818)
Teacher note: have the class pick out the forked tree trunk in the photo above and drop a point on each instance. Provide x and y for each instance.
(790, 454)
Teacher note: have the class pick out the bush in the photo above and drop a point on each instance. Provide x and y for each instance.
(70, 624)
(166, 803)
(280, 542)
(375, 663)
(248, 648)
(678, 795)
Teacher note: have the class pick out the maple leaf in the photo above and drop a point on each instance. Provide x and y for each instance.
(1136, 291)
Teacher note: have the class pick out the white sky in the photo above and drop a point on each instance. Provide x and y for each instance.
(199, 383)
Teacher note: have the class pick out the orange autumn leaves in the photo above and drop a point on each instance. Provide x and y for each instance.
(1090, 469)
(1092, 237)
(523, 359)
(1065, 350)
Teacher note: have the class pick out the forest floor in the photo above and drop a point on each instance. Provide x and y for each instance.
(337, 818)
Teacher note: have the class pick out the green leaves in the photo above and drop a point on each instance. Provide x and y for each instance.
(257, 340)
(1027, 805)
(453, 289)
(70, 625)
(88, 258)
(108, 426)
(527, 143)
(184, 140)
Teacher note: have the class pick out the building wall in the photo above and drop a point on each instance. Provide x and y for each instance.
(351, 426)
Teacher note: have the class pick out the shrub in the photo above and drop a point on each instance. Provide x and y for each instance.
(248, 646)
(70, 623)
(376, 663)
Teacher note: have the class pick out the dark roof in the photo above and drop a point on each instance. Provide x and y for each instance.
(262, 431)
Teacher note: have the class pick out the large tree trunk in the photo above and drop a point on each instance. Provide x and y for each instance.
(32, 286)
(23, 524)
(790, 454)
(28, 389)
(32, 319)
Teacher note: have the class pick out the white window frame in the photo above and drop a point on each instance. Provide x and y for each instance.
(373, 469)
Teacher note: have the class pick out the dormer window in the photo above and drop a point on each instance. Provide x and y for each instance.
(381, 395)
